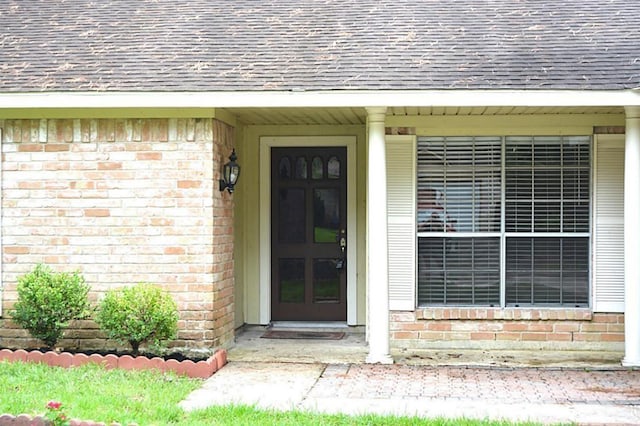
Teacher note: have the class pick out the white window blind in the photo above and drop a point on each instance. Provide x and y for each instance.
(609, 224)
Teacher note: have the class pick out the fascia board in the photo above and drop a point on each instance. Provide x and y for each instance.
(321, 99)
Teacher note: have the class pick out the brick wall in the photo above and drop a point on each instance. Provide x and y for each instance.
(568, 329)
(123, 201)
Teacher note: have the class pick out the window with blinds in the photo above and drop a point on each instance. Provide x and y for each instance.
(512, 207)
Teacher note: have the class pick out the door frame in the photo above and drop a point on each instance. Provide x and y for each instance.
(266, 143)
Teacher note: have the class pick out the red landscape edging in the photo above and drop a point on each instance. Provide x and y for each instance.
(200, 369)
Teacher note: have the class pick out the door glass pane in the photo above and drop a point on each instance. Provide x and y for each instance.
(301, 168)
(317, 166)
(333, 168)
(326, 215)
(291, 283)
(284, 168)
(291, 215)
(326, 281)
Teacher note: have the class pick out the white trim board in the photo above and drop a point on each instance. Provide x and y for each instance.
(326, 98)
(266, 143)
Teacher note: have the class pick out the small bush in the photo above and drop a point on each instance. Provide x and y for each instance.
(48, 301)
(139, 314)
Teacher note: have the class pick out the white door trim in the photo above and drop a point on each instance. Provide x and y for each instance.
(266, 143)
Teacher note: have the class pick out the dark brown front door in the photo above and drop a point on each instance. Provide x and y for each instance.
(308, 234)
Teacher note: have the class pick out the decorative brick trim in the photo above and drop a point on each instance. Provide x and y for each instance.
(400, 130)
(511, 314)
(200, 369)
(608, 130)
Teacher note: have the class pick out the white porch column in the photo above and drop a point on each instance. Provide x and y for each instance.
(632, 238)
(377, 274)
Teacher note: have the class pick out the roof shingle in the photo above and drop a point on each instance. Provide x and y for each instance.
(200, 45)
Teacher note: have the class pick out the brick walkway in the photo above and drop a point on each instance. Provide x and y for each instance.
(538, 386)
(544, 395)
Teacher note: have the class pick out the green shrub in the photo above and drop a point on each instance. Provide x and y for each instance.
(48, 301)
(138, 314)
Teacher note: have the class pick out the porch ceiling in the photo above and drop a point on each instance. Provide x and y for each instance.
(357, 116)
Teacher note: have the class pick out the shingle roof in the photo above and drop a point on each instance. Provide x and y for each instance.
(200, 45)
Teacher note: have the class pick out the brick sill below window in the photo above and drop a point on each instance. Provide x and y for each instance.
(509, 314)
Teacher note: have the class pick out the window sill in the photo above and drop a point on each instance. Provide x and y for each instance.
(510, 314)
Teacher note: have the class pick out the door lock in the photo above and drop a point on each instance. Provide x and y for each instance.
(343, 240)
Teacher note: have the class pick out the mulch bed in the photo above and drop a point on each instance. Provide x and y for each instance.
(178, 356)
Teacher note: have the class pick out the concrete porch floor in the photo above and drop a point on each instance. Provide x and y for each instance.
(352, 349)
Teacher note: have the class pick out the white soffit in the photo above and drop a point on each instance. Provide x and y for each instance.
(347, 98)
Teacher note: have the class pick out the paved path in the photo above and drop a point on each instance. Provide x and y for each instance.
(517, 394)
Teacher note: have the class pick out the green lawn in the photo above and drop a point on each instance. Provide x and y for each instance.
(93, 393)
(149, 398)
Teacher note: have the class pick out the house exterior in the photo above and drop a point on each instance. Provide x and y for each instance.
(459, 177)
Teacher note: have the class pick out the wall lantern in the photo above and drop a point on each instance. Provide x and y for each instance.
(230, 173)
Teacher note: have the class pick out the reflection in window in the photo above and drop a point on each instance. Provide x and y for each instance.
(459, 184)
(316, 168)
(333, 168)
(291, 284)
(291, 214)
(547, 271)
(326, 281)
(301, 168)
(326, 215)
(284, 168)
(459, 271)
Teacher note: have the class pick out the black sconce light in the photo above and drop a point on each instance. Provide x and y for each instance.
(230, 173)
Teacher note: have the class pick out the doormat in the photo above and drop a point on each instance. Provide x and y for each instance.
(312, 335)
